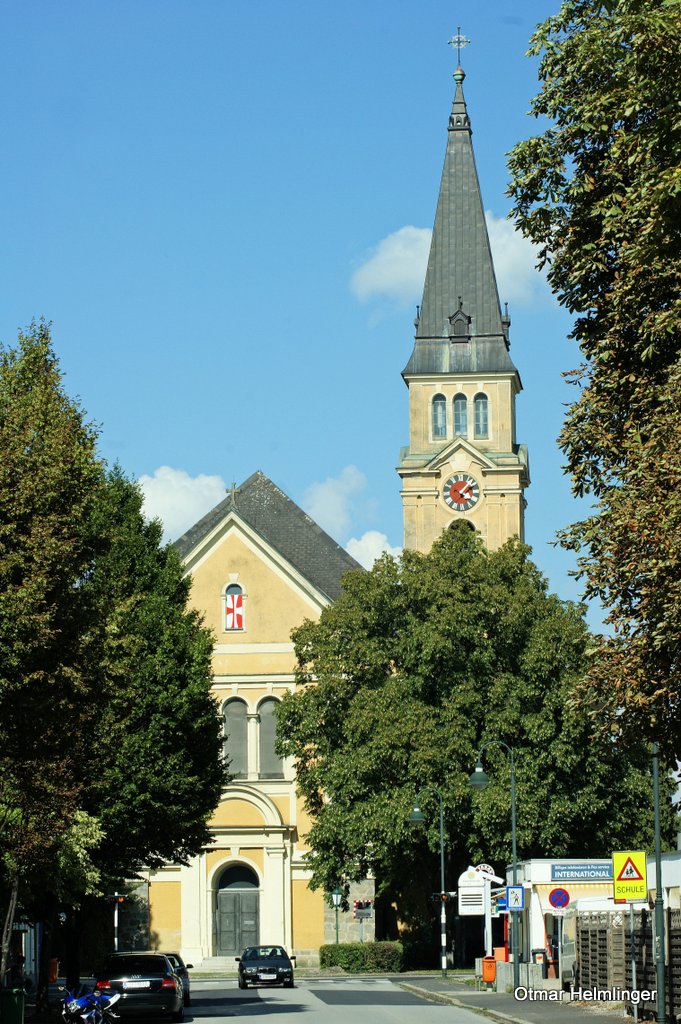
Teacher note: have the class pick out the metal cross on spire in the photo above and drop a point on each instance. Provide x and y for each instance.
(459, 41)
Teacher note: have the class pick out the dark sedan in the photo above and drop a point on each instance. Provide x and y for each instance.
(148, 985)
(265, 965)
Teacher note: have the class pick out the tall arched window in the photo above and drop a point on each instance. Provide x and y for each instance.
(271, 766)
(235, 743)
(480, 409)
(234, 608)
(439, 416)
(460, 415)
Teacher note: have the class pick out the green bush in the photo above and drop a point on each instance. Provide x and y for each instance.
(355, 957)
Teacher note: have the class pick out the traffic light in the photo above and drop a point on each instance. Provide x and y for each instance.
(116, 898)
(440, 897)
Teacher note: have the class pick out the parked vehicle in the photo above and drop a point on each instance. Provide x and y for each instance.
(91, 1007)
(146, 982)
(182, 970)
(265, 965)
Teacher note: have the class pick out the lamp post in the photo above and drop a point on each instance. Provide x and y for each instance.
(479, 780)
(336, 897)
(416, 818)
(659, 905)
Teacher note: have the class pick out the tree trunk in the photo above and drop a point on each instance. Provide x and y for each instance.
(7, 928)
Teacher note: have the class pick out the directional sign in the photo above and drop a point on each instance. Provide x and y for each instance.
(515, 898)
(559, 898)
(629, 874)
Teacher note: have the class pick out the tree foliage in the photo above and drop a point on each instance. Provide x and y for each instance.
(110, 751)
(419, 663)
(49, 473)
(599, 191)
(154, 773)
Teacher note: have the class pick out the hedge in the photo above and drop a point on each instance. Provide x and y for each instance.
(354, 957)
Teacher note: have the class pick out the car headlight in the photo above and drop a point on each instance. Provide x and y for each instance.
(284, 970)
(249, 970)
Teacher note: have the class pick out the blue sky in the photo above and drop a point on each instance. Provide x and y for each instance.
(223, 207)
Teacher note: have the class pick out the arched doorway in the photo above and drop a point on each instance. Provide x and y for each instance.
(237, 912)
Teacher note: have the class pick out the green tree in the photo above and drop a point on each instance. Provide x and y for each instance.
(154, 771)
(599, 191)
(420, 662)
(110, 748)
(49, 472)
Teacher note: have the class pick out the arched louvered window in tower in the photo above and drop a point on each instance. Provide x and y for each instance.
(235, 743)
(460, 416)
(270, 766)
(481, 413)
(439, 417)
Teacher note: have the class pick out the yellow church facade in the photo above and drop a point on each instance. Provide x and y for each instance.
(259, 568)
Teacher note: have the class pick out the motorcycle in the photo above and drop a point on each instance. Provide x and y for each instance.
(89, 1008)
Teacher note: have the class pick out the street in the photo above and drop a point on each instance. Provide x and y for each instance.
(369, 1000)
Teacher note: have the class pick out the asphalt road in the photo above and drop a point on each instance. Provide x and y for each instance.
(322, 1001)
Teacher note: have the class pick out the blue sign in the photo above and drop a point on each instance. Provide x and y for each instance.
(581, 871)
(515, 898)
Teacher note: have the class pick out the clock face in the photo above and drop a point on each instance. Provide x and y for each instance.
(461, 492)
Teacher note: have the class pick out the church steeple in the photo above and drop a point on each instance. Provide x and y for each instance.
(460, 272)
(462, 460)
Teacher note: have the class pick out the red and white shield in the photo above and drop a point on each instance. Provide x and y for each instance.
(234, 611)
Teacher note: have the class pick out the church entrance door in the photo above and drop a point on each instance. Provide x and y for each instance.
(237, 912)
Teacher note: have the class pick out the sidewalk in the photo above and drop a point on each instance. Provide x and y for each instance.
(503, 1006)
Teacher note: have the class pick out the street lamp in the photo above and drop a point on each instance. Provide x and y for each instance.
(417, 818)
(336, 897)
(659, 906)
(479, 780)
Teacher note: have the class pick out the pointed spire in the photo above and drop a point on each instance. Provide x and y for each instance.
(460, 274)
(458, 119)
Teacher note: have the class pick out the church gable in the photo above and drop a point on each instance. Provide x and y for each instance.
(247, 591)
(260, 565)
(459, 451)
(282, 526)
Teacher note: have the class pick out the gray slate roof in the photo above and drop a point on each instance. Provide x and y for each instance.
(285, 527)
(460, 272)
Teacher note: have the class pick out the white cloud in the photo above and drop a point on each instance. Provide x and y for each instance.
(370, 546)
(395, 268)
(331, 502)
(178, 499)
(514, 262)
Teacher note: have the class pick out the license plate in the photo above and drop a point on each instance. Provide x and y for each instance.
(136, 984)
(267, 975)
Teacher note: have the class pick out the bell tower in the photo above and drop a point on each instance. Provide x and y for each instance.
(462, 460)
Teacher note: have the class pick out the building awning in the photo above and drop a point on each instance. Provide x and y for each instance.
(576, 891)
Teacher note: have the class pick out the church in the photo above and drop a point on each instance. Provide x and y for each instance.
(260, 566)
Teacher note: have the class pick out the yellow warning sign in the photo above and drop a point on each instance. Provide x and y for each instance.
(629, 875)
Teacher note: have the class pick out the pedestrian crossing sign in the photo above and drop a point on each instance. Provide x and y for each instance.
(515, 898)
(629, 875)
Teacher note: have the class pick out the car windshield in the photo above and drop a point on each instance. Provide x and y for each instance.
(263, 952)
(121, 966)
